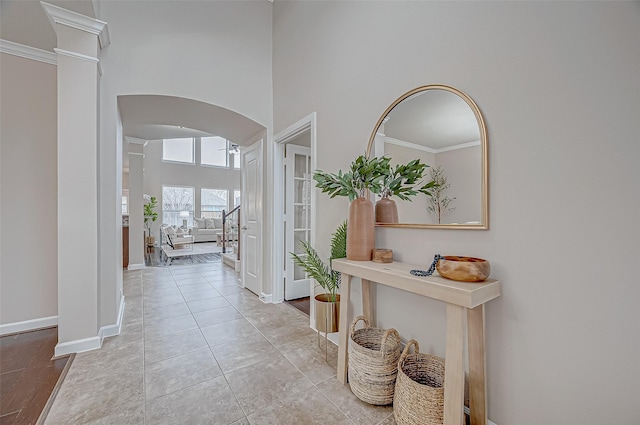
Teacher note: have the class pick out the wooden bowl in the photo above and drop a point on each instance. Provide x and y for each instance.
(464, 269)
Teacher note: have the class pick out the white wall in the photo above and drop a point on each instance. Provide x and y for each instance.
(558, 85)
(29, 196)
(215, 52)
(158, 173)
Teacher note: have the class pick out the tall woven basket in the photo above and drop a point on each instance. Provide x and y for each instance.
(373, 362)
(419, 396)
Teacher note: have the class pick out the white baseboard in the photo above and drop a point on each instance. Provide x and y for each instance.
(113, 330)
(265, 298)
(136, 267)
(78, 346)
(29, 325)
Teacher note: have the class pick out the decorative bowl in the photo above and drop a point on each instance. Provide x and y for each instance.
(464, 269)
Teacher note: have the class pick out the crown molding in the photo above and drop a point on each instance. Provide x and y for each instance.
(58, 15)
(415, 146)
(28, 52)
(136, 140)
(75, 55)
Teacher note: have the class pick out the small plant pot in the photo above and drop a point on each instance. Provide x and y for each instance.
(386, 211)
(327, 313)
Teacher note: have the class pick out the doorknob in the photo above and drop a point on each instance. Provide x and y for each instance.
(244, 227)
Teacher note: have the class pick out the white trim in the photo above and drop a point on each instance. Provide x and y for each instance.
(58, 15)
(28, 52)
(266, 298)
(75, 55)
(136, 266)
(113, 330)
(28, 325)
(416, 146)
(460, 146)
(136, 140)
(135, 153)
(77, 346)
(307, 123)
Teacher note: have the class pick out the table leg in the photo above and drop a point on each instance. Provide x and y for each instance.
(477, 366)
(366, 302)
(454, 366)
(343, 336)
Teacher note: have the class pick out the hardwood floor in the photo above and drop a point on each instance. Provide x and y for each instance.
(28, 375)
(302, 304)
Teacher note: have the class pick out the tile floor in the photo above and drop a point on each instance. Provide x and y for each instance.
(196, 348)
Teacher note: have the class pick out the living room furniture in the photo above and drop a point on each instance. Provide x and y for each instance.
(465, 305)
(206, 229)
(176, 240)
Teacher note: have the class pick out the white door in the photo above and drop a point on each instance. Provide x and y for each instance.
(251, 218)
(297, 217)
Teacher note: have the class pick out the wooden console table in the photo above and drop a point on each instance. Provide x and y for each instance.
(465, 303)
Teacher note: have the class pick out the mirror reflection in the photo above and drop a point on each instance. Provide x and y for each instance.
(443, 128)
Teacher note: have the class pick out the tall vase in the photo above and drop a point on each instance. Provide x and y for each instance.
(360, 230)
(386, 211)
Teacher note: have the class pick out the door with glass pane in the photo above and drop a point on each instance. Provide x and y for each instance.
(297, 217)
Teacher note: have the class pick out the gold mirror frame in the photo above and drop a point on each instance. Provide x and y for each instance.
(484, 225)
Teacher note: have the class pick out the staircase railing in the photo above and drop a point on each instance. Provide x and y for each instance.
(231, 231)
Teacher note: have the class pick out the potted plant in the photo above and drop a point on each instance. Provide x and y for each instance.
(364, 174)
(328, 303)
(149, 217)
(439, 202)
(403, 181)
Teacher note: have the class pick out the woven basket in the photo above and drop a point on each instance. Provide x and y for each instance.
(373, 362)
(419, 397)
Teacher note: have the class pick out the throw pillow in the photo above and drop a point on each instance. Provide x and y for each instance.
(179, 231)
(209, 224)
(200, 223)
(171, 230)
(217, 223)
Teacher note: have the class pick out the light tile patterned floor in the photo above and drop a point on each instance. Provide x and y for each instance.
(196, 348)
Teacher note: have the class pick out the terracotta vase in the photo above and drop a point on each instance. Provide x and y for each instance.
(386, 211)
(360, 230)
(327, 313)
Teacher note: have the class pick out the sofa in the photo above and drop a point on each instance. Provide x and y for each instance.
(206, 229)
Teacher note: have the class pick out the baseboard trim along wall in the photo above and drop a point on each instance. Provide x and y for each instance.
(115, 329)
(28, 325)
(265, 298)
(136, 267)
(78, 346)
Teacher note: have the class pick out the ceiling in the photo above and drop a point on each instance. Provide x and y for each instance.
(148, 117)
(25, 21)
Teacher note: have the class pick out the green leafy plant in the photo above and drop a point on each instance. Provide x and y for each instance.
(313, 265)
(364, 174)
(439, 203)
(405, 180)
(149, 214)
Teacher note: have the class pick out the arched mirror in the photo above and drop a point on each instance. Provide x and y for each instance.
(443, 127)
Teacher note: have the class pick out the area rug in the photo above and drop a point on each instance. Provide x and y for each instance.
(201, 248)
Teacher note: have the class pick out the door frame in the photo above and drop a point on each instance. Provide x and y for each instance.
(278, 246)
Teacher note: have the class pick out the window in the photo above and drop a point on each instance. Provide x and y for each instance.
(125, 201)
(175, 200)
(236, 198)
(214, 151)
(212, 202)
(236, 158)
(178, 150)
